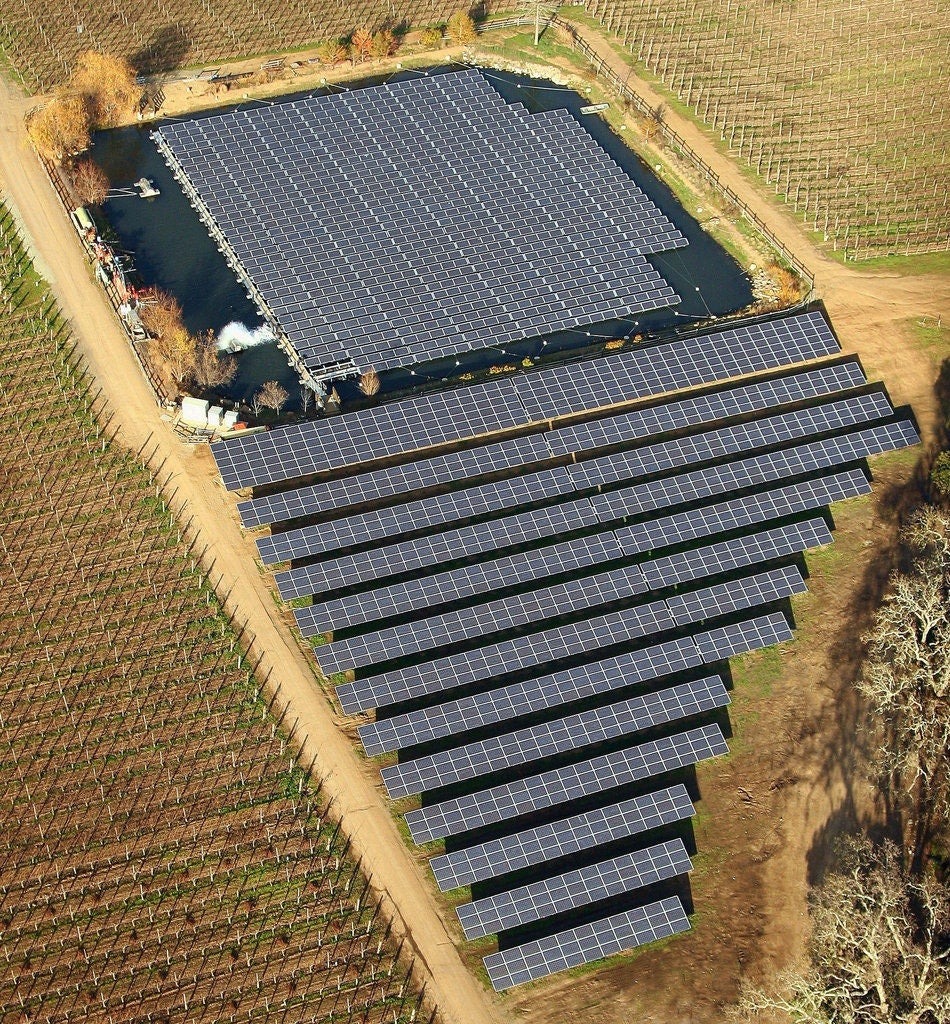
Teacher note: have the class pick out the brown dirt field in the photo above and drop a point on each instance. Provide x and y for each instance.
(794, 753)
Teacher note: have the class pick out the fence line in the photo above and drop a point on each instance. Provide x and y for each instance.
(623, 89)
(62, 191)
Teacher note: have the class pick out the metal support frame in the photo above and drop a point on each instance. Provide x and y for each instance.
(313, 379)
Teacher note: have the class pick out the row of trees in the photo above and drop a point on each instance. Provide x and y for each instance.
(182, 359)
(879, 952)
(101, 93)
(177, 356)
(362, 45)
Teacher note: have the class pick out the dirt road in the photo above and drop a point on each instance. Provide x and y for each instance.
(870, 313)
(386, 859)
(869, 310)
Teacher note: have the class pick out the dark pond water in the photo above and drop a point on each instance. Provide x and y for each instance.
(170, 248)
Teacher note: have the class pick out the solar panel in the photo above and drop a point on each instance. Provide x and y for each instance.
(420, 252)
(735, 595)
(730, 441)
(731, 515)
(516, 699)
(396, 560)
(670, 366)
(641, 497)
(585, 728)
(511, 800)
(458, 584)
(397, 480)
(572, 889)
(289, 453)
(726, 556)
(452, 670)
(496, 616)
(707, 408)
(558, 839)
(367, 527)
(725, 641)
(586, 943)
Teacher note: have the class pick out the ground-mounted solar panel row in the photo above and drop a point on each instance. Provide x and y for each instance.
(585, 728)
(429, 420)
(586, 943)
(442, 629)
(318, 499)
(614, 468)
(556, 840)
(446, 672)
(573, 889)
(540, 622)
(371, 528)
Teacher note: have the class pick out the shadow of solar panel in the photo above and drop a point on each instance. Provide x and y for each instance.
(670, 366)
(497, 753)
(577, 888)
(562, 785)
(558, 839)
(586, 943)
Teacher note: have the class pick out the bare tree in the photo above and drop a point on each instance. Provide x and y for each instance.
(906, 680)
(211, 369)
(878, 951)
(369, 382)
(271, 396)
(306, 398)
(90, 182)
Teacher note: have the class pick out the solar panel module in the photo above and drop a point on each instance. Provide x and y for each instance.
(384, 246)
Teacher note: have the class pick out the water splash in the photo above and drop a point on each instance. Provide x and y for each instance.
(236, 337)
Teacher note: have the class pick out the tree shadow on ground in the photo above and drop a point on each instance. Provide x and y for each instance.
(166, 50)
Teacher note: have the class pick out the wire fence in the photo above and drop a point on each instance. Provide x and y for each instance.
(621, 86)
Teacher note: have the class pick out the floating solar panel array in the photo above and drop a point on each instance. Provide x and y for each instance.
(540, 620)
(393, 225)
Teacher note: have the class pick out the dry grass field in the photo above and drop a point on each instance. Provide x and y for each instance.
(839, 105)
(163, 856)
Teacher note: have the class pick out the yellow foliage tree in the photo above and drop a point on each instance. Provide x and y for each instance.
(108, 85)
(61, 128)
(461, 28)
(383, 44)
(361, 45)
(175, 352)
